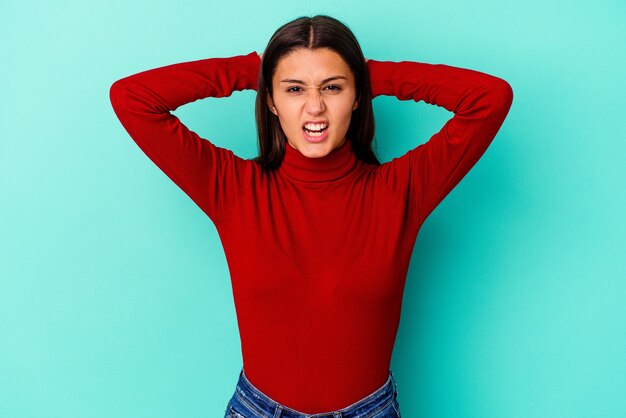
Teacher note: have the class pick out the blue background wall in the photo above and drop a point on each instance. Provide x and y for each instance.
(115, 298)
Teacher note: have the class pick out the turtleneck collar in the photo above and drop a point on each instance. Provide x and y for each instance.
(333, 166)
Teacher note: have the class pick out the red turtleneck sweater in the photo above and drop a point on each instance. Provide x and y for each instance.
(318, 250)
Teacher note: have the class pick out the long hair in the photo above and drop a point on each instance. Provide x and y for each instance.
(313, 32)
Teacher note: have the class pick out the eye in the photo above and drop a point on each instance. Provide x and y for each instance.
(333, 87)
(293, 89)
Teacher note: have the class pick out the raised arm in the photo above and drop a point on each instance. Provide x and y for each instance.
(425, 175)
(213, 177)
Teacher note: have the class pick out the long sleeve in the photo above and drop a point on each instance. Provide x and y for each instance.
(425, 175)
(213, 177)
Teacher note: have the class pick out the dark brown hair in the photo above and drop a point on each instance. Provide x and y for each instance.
(313, 32)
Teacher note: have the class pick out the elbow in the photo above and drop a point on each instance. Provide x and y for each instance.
(117, 91)
(122, 95)
(503, 94)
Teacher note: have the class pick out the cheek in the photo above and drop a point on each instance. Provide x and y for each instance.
(289, 116)
(344, 112)
(289, 122)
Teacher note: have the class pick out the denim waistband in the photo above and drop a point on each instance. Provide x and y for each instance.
(264, 406)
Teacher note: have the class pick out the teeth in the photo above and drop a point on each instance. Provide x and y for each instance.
(309, 133)
(315, 126)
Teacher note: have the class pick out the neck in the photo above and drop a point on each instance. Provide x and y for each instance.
(333, 166)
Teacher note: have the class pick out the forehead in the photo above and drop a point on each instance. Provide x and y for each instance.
(311, 65)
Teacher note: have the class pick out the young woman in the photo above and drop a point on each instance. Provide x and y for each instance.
(317, 233)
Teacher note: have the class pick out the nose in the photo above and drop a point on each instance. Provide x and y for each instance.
(315, 103)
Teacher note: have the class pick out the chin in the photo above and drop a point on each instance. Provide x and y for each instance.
(314, 151)
(310, 150)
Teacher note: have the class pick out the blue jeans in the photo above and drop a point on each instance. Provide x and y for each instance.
(249, 402)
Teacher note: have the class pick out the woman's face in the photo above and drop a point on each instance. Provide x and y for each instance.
(313, 91)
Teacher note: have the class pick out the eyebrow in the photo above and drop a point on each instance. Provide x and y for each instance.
(336, 77)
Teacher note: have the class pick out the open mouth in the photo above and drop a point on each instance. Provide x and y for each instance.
(315, 129)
